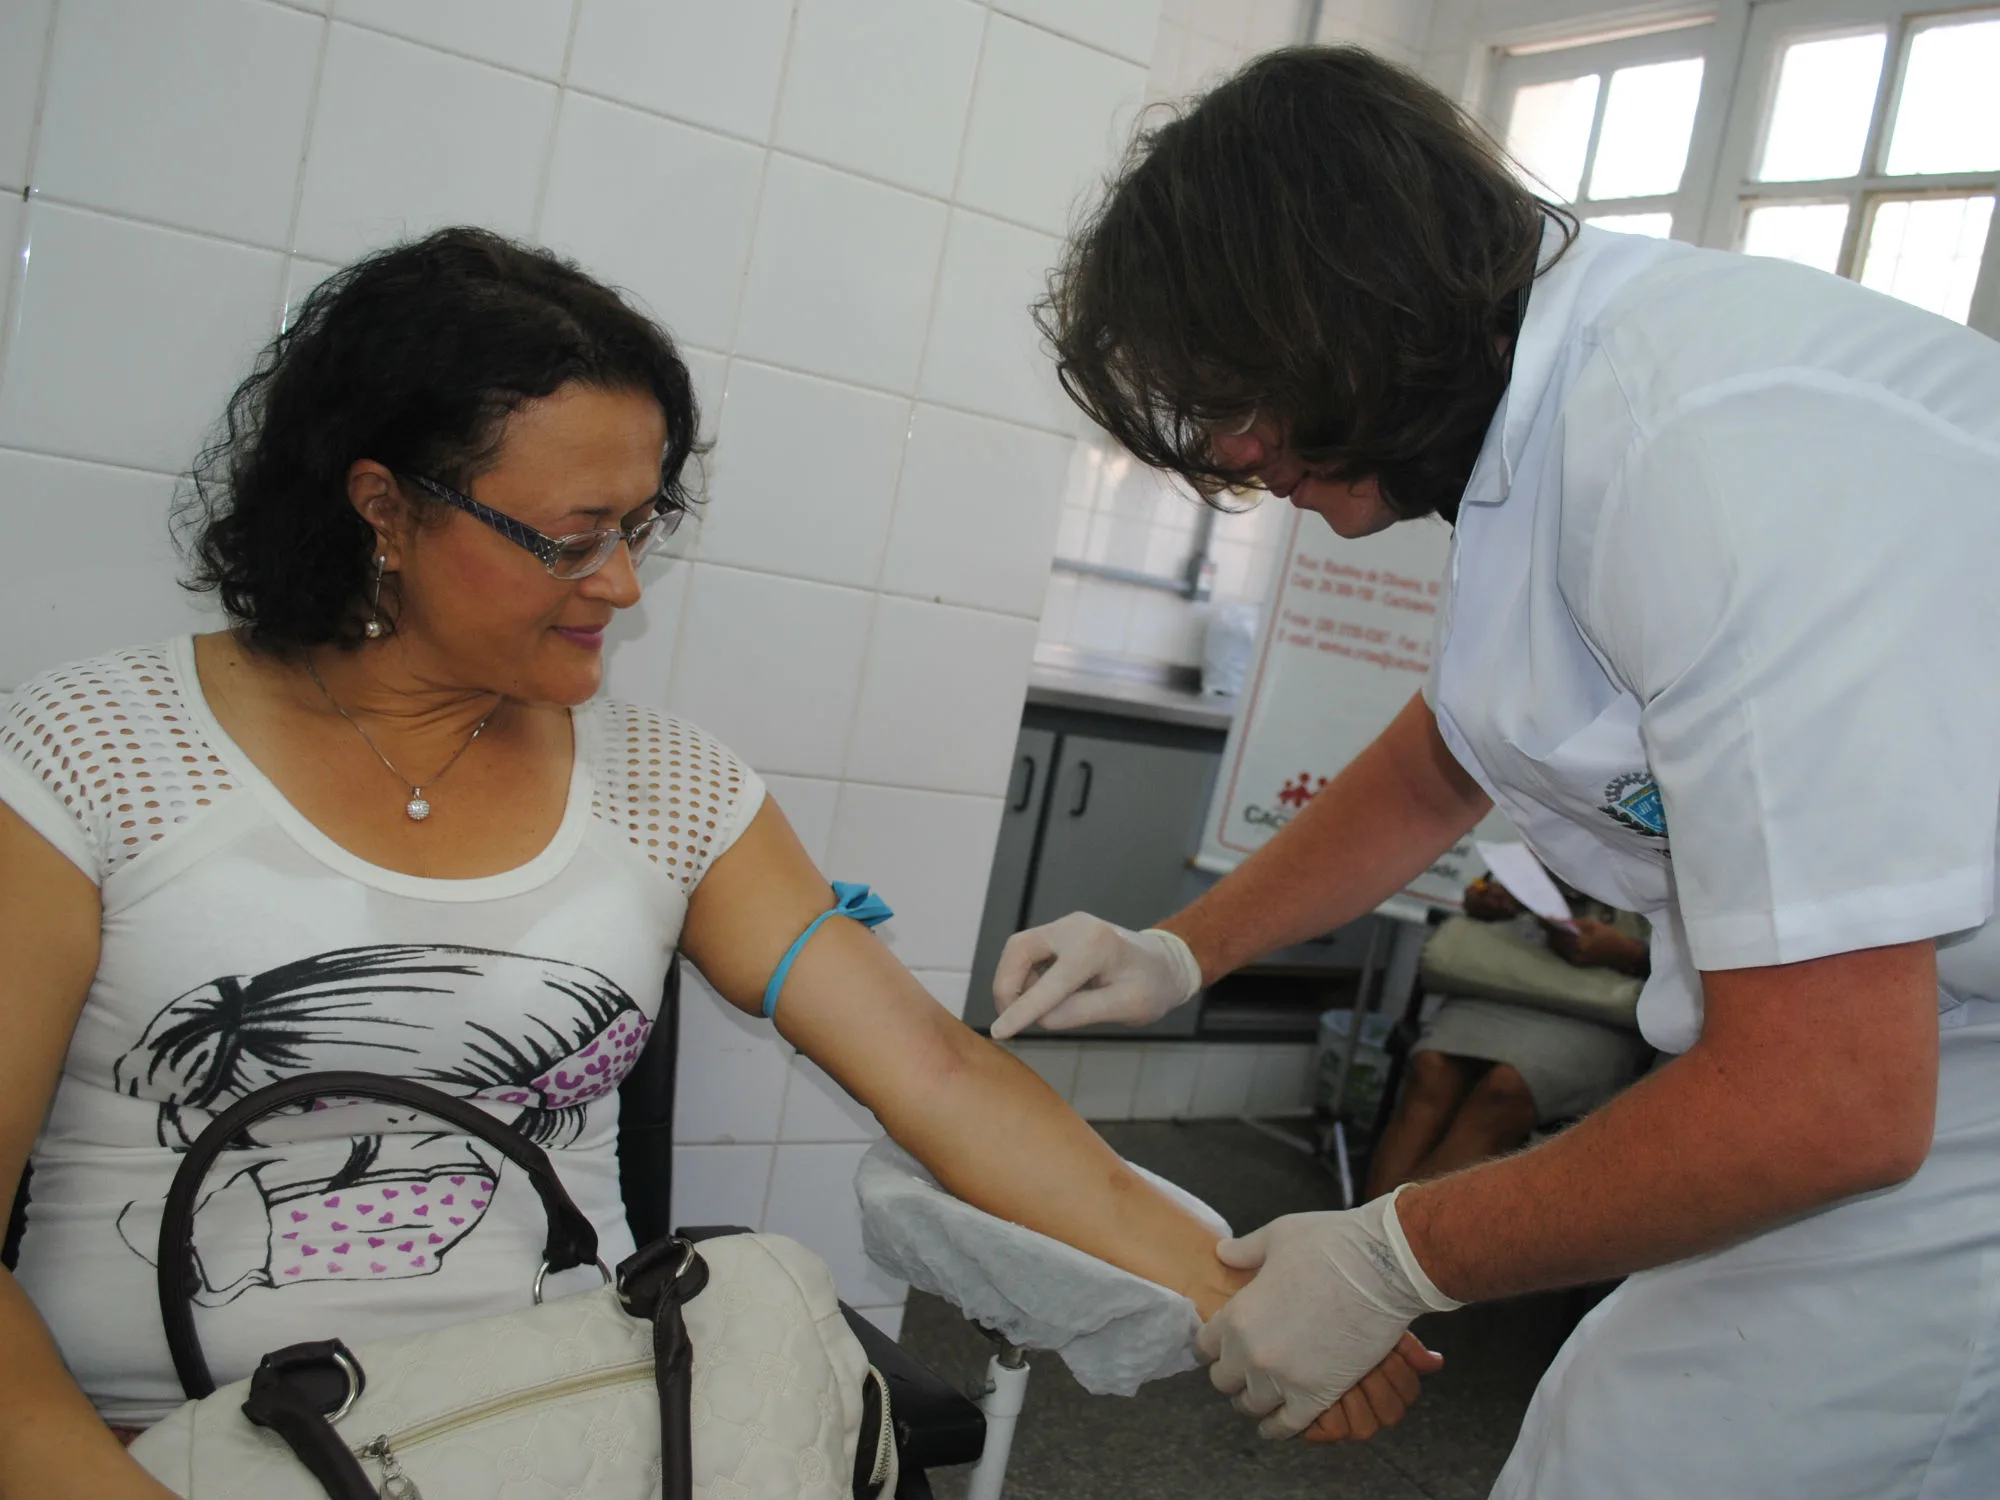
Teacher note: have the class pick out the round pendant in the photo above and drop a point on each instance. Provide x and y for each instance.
(418, 809)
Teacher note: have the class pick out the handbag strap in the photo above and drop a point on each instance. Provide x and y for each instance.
(655, 1282)
(572, 1239)
(292, 1392)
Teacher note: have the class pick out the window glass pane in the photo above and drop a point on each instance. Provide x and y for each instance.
(1648, 118)
(1947, 119)
(1808, 233)
(1926, 251)
(1657, 226)
(1820, 113)
(1549, 132)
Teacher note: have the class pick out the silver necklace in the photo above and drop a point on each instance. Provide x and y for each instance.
(417, 807)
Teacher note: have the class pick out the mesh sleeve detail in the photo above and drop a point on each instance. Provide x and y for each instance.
(676, 794)
(112, 743)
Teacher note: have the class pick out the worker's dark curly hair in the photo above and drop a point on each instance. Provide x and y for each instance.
(413, 357)
(1324, 239)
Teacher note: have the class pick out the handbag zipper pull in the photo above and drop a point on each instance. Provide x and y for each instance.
(396, 1485)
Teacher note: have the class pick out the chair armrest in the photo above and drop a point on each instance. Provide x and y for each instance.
(935, 1424)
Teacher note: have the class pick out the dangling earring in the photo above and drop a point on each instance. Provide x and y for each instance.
(373, 629)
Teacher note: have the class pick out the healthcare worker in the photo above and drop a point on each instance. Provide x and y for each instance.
(1722, 640)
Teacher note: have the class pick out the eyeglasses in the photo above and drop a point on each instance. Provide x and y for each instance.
(577, 555)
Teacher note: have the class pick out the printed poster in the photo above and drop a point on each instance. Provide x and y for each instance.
(1345, 643)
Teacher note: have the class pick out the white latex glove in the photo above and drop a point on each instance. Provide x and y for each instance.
(1079, 970)
(1332, 1294)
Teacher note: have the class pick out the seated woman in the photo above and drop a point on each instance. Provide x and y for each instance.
(384, 822)
(1486, 1072)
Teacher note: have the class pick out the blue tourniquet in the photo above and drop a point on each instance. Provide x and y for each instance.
(851, 900)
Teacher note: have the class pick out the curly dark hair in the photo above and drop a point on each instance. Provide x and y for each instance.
(414, 357)
(1324, 239)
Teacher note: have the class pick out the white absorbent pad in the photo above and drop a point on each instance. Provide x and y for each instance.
(1115, 1331)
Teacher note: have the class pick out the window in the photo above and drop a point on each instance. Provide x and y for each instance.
(1607, 127)
(1862, 137)
(1867, 144)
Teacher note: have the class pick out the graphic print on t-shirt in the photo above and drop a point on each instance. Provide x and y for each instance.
(508, 1030)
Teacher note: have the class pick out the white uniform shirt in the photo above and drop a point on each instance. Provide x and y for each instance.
(1723, 632)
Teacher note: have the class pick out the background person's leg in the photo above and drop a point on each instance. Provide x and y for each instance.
(1496, 1117)
(1436, 1085)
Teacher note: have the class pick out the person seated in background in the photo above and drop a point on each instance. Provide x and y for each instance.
(1486, 1072)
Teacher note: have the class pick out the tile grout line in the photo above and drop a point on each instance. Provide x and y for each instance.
(291, 251)
(728, 371)
(17, 297)
(728, 355)
(555, 124)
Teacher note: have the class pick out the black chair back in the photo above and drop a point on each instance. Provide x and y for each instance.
(646, 1121)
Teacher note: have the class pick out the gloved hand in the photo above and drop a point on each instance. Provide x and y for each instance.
(1332, 1295)
(1079, 970)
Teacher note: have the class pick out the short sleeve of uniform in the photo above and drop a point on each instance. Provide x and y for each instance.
(42, 781)
(1798, 582)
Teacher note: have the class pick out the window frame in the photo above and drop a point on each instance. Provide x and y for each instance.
(1745, 42)
(1514, 70)
(1775, 24)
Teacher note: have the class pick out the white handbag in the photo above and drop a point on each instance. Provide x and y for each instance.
(723, 1371)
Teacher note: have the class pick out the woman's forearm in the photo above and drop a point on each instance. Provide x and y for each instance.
(1374, 828)
(984, 1124)
(53, 1446)
(1812, 1082)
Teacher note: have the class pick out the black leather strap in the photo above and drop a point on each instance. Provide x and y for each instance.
(291, 1393)
(572, 1241)
(656, 1281)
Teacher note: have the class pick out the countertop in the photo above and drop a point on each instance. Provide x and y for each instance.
(1132, 698)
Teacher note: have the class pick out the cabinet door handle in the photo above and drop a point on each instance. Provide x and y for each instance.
(1089, 774)
(1027, 786)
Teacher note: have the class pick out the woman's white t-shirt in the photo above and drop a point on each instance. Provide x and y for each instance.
(242, 946)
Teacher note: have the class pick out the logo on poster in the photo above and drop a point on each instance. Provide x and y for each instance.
(1292, 796)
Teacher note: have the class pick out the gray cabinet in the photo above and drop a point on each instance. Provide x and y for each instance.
(1013, 859)
(1122, 821)
(1099, 824)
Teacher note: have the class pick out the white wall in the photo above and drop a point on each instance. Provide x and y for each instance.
(1394, 28)
(842, 207)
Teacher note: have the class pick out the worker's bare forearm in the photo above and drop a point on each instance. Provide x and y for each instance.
(1374, 828)
(52, 1444)
(1811, 1083)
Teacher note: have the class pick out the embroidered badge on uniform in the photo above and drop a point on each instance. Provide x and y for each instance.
(1633, 799)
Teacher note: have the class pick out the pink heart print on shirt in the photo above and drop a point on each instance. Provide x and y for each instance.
(308, 1251)
(590, 1072)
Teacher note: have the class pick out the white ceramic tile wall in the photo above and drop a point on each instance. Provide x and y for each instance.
(1396, 28)
(1046, 118)
(1113, 513)
(24, 37)
(1124, 27)
(881, 87)
(624, 186)
(147, 107)
(1182, 1080)
(843, 208)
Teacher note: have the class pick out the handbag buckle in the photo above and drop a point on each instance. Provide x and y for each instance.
(542, 1275)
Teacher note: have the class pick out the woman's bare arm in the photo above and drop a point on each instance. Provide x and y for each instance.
(52, 1444)
(989, 1129)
